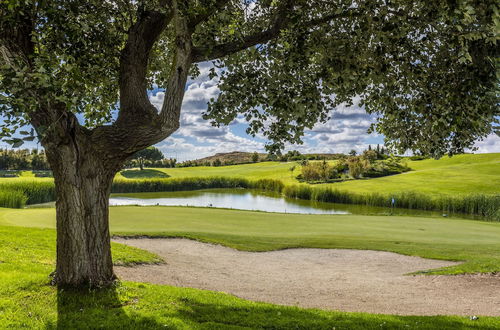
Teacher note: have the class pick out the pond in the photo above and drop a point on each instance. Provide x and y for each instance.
(254, 200)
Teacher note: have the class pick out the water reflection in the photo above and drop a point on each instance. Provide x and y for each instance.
(254, 200)
(226, 198)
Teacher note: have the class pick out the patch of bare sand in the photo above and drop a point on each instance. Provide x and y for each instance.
(347, 280)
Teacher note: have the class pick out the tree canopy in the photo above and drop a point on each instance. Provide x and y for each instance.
(427, 70)
(150, 153)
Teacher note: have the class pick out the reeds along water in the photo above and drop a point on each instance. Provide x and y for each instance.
(17, 194)
(15, 199)
(486, 206)
(29, 191)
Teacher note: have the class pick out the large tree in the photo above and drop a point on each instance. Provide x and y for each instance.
(79, 72)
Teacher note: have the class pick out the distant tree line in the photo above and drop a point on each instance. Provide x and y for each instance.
(23, 159)
(34, 159)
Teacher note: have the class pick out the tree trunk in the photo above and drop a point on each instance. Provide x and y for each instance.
(83, 184)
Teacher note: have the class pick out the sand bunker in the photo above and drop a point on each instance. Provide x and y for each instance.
(347, 280)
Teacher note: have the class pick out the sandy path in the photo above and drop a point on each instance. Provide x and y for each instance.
(348, 280)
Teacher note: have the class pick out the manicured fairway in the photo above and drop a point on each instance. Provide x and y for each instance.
(28, 301)
(475, 242)
(461, 174)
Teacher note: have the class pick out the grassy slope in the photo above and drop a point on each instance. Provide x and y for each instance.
(475, 242)
(27, 301)
(462, 174)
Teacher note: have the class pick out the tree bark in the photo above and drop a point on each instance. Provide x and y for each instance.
(85, 161)
(83, 178)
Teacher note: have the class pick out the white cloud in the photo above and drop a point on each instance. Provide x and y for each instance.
(490, 144)
(196, 137)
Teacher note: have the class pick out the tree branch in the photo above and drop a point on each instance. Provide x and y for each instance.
(201, 54)
(139, 125)
(175, 89)
(134, 101)
(197, 19)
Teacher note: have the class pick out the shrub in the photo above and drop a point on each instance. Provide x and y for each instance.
(417, 157)
(357, 166)
(318, 171)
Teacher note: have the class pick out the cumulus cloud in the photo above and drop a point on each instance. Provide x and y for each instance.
(345, 130)
(197, 138)
(490, 144)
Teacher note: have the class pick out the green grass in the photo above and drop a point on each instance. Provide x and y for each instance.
(264, 170)
(467, 184)
(143, 174)
(28, 301)
(476, 243)
(461, 174)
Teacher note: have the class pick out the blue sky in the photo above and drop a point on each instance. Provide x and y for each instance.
(196, 138)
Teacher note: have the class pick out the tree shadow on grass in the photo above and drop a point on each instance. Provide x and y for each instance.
(104, 309)
(264, 316)
(97, 309)
(144, 174)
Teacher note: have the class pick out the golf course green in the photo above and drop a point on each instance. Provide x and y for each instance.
(476, 243)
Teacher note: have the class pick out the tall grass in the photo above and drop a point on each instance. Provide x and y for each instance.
(178, 184)
(17, 194)
(485, 206)
(35, 191)
(15, 199)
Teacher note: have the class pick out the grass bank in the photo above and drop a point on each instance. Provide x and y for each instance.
(475, 243)
(17, 194)
(27, 301)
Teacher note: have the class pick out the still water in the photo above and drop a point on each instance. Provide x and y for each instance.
(255, 200)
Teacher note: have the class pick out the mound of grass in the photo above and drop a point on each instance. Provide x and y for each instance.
(143, 174)
(474, 242)
(27, 301)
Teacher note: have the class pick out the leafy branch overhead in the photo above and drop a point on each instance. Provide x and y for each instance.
(427, 70)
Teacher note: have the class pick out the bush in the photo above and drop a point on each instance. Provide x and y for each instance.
(357, 166)
(318, 172)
